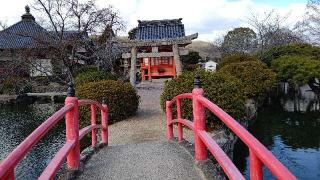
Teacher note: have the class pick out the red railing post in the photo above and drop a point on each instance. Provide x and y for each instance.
(199, 120)
(255, 166)
(93, 122)
(169, 119)
(72, 129)
(104, 122)
(179, 114)
(9, 175)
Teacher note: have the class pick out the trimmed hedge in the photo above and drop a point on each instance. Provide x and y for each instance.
(299, 49)
(223, 90)
(235, 59)
(121, 98)
(298, 69)
(92, 75)
(256, 77)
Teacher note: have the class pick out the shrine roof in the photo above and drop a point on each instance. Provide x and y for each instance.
(158, 29)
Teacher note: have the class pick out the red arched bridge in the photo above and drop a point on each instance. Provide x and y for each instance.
(258, 154)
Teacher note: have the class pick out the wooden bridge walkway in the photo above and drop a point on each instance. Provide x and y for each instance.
(139, 148)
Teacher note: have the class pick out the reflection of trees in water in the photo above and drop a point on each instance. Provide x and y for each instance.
(17, 123)
(295, 130)
(298, 99)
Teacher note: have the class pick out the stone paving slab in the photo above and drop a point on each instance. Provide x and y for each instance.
(153, 160)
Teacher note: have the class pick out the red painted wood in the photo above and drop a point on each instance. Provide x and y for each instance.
(255, 167)
(83, 102)
(86, 130)
(268, 159)
(258, 153)
(199, 125)
(70, 111)
(185, 122)
(8, 164)
(149, 69)
(104, 124)
(180, 96)
(227, 165)
(169, 119)
(54, 165)
(72, 133)
(179, 114)
(93, 123)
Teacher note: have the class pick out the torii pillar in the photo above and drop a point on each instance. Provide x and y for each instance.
(176, 55)
(133, 68)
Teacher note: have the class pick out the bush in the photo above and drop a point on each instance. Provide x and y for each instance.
(290, 50)
(192, 58)
(190, 67)
(223, 90)
(121, 98)
(92, 75)
(256, 77)
(235, 59)
(15, 85)
(299, 69)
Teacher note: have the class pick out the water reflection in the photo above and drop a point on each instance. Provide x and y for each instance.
(17, 123)
(294, 138)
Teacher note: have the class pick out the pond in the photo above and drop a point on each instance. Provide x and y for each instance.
(17, 122)
(293, 137)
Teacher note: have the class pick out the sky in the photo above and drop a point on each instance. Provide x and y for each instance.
(210, 18)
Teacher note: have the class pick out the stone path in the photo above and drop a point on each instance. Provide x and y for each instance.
(138, 148)
(152, 160)
(149, 122)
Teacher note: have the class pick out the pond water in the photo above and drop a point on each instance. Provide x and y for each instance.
(17, 122)
(293, 137)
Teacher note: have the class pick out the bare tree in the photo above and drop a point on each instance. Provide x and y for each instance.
(310, 25)
(3, 25)
(272, 30)
(80, 18)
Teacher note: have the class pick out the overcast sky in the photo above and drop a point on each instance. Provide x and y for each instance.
(210, 18)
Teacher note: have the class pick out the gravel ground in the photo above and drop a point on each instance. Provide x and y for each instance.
(149, 124)
(151, 160)
(138, 148)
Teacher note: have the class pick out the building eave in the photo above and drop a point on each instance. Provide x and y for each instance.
(156, 42)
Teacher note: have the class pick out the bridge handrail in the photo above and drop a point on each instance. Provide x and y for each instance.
(23, 148)
(83, 102)
(263, 154)
(180, 96)
(71, 149)
(258, 153)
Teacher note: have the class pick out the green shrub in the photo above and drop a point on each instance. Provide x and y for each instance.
(190, 67)
(290, 50)
(84, 69)
(256, 77)
(223, 90)
(92, 75)
(121, 98)
(15, 85)
(235, 59)
(298, 69)
(192, 58)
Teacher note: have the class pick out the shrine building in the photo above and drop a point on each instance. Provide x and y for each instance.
(156, 47)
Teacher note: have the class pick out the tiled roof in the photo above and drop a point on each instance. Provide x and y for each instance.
(28, 34)
(158, 29)
(24, 34)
